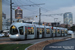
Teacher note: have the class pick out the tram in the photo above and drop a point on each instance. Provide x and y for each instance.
(21, 31)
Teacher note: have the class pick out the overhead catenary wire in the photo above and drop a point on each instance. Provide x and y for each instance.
(6, 2)
(16, 3)
(23, 7)
(22, 4)
(39, 6)
(28, 5)
(47, 10)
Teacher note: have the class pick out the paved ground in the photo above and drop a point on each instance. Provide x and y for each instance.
(64, 45)
(6, 40)
(4, 37)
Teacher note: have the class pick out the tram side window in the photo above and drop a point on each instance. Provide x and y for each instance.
(21, 30)
(48, 31)
(30, 30)
(58, 31)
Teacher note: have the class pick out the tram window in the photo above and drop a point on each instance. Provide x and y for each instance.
(30, 30)
(21, 30)
(13, 30)
(48, 31)
(58, 31)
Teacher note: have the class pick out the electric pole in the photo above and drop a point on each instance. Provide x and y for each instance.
(29, 5)
(11, 11)
(39, 16)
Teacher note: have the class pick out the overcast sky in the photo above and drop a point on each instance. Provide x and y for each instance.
(49, 7)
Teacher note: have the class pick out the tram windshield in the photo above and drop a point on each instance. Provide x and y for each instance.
(13, 30)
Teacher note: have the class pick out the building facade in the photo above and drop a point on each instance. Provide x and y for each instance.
(4, 15)
(4, 21)
(68, 18)
(18, 13)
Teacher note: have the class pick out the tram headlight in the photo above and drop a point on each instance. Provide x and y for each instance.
(9, 35)
(17, 35)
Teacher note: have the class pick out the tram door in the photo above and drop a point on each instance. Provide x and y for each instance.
(48, 32)
(21, 31)
(37, 32)
(54, 31)
(58, 33)
(26, 31)
(64, 33)
(61, 33)
(42, 32)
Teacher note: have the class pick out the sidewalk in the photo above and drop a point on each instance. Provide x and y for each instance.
(63, 45)
(40, 45)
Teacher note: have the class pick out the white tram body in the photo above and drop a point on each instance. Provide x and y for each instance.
(31, 31)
